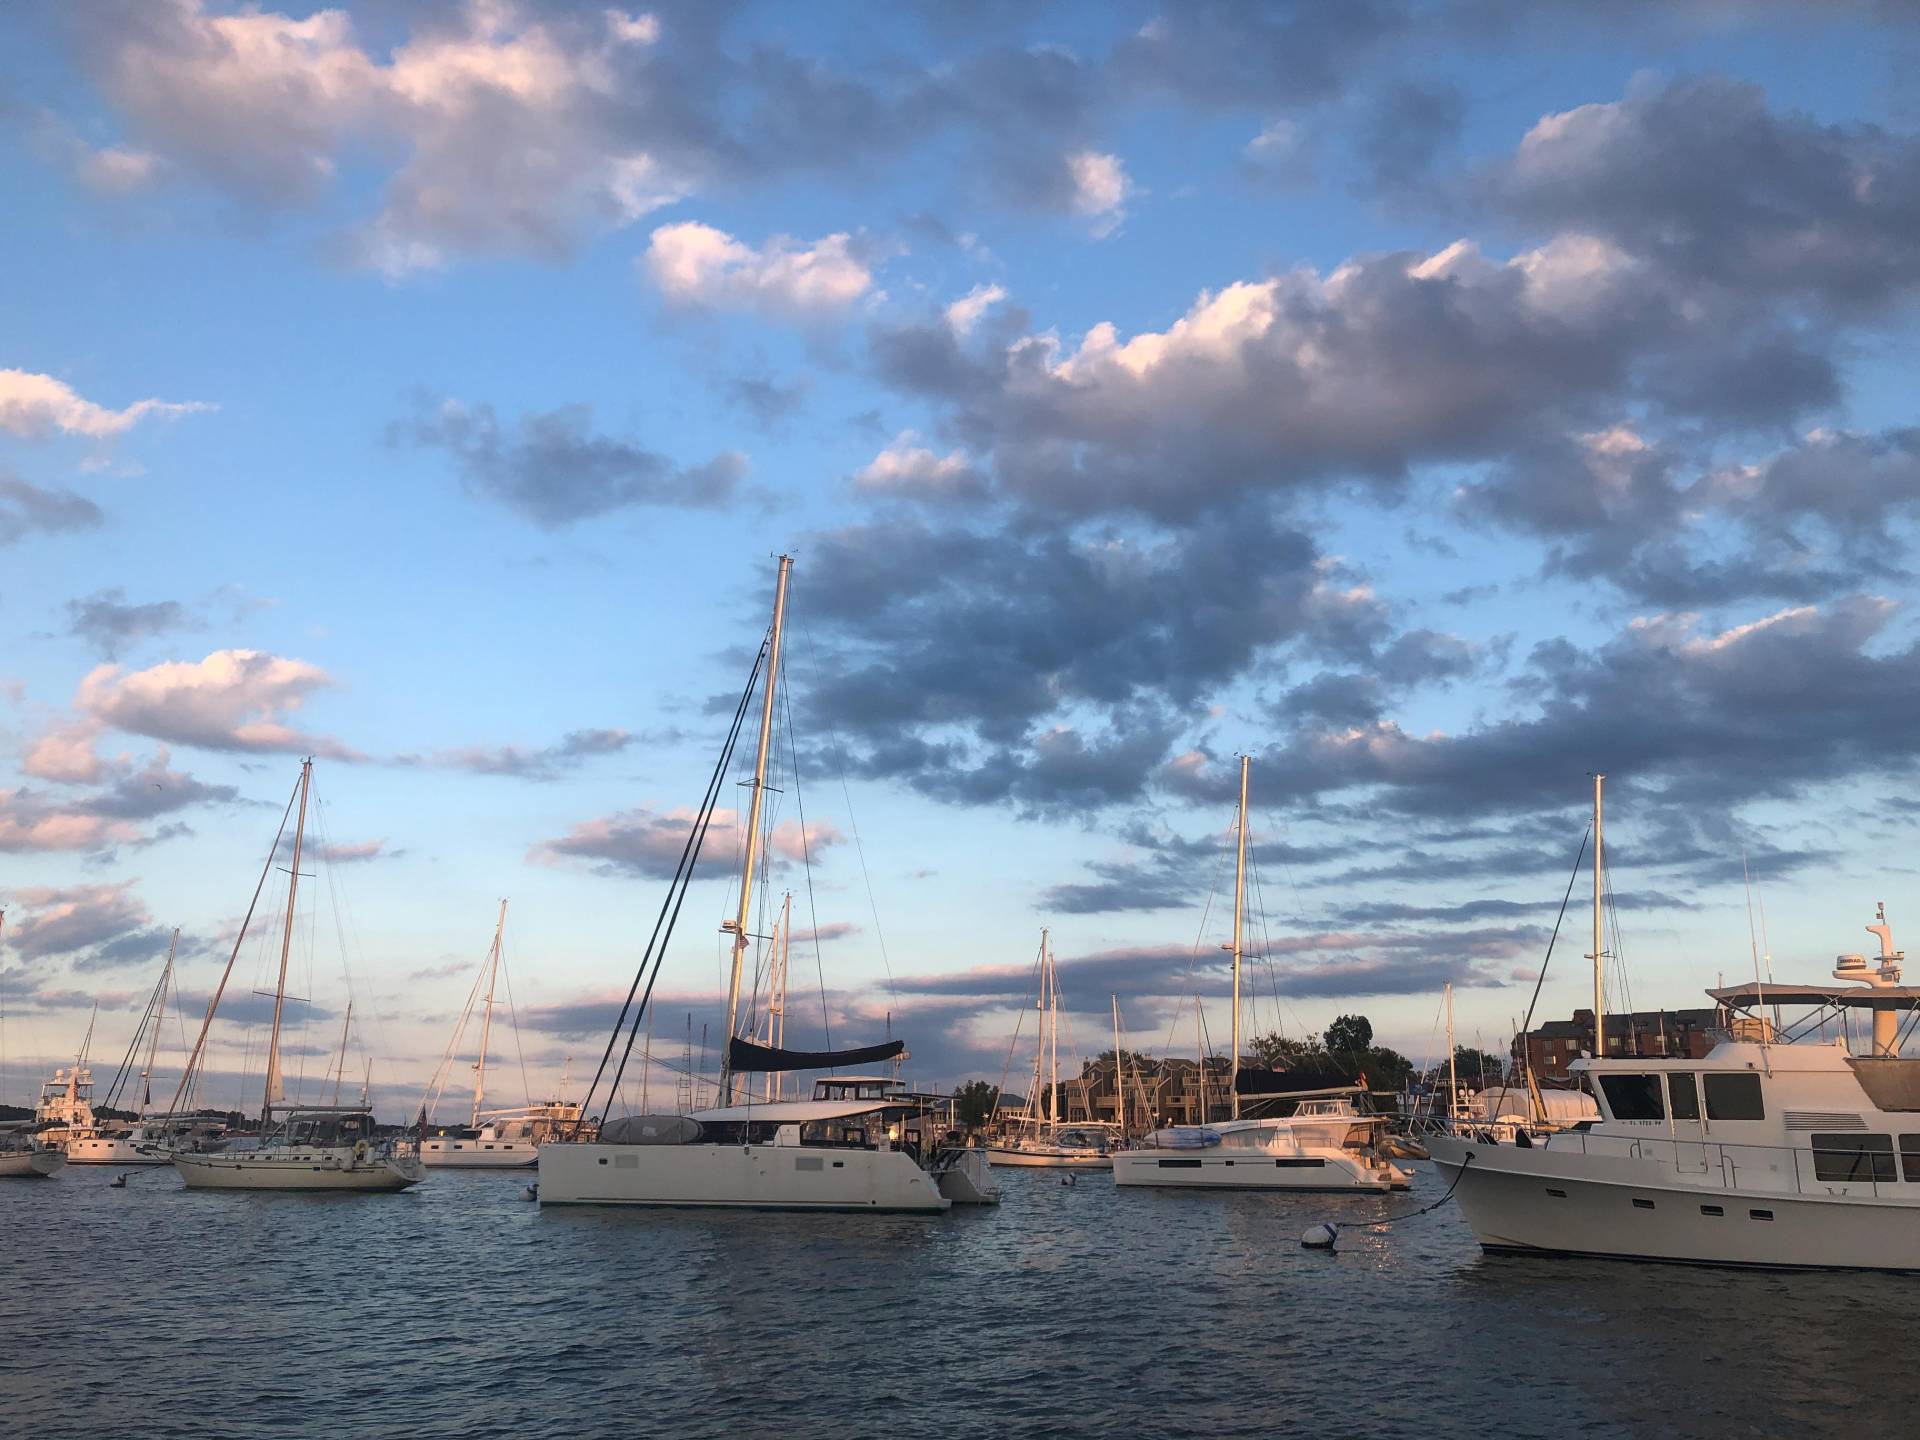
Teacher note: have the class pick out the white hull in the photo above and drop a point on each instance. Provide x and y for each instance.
(111, 1150)
(297, 1169)
(1645, 1211)
(30, 1164)
(751, 1177)
(479, 1155)
(1048, 1159)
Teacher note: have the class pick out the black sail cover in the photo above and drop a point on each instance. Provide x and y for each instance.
(744, 1055)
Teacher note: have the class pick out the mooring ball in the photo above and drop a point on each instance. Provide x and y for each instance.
(1319, 1237)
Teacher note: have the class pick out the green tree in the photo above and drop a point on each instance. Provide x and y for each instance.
(973, 1103)
(1350, 1035)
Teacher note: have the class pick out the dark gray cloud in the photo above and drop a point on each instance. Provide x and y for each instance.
(1702, 178)
(27, 509)
(548, 762)
(107, 622)
(555, 470)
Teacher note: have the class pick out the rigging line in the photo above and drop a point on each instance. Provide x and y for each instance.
(513, 1018)
(690, 857)
(1526, 1026)
(713, 790)
(806, 866)
(853, 821)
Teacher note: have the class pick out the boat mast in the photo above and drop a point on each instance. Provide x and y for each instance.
(286, 949)
(341, 1073)
(751, 849)
(1239, 910)
(486, 1018)
(153, 1041)
(1599, 952)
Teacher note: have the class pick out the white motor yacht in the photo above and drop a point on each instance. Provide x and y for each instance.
(1762, 1153)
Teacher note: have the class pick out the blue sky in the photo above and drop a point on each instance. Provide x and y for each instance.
(1436, 402)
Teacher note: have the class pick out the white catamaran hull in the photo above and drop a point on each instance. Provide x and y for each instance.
(1049, 1159)
(1543, 1202)
(30, 1164)
(112, 1150)
(1204, 1170)
(479, 1155)
(751, 1177)
(317, 1169)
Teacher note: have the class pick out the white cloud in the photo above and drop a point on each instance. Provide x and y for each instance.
(38, 405)
(1100, 189)
(231, 700)
(697, 265)
(907, 470)
(964, 313)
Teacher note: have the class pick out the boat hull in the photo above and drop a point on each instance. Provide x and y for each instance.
(1048, 1159)
(469, 1155)
(740, 1177)
(111, 1150)
(297, 1170)
(1217, 1170)
(30, 1164)
(1504, 1196)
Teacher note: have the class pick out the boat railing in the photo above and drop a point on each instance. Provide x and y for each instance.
(1750, 1169)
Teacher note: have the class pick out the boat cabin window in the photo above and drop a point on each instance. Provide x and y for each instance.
(1682, 1098)
(1734, 1097)
(1634, 1097)
(1853, 1157)
(1910, 1158)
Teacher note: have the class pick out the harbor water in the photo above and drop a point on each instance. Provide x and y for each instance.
(458, 1309)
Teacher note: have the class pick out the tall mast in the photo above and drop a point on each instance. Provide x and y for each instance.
(340, 1074)
(153, 1041)
(1453, 1072)
(751, 849)
(1053, 1032)
(486, 1018)
(1599, 950)
(1239, 911)
(286, 949)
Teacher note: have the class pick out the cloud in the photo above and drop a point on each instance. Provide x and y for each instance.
(547, 763)
(1699, 176)
(698, 266)
(26, 509)
(554, 470)
(908, 471)
(231, 700)
(36, 406)
(649, 843)
(107, 622)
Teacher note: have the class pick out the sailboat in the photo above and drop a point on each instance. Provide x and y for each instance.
(1036, 1140)
(22, 1154)
(311, 1147)
(508, 1139)
(860, 1144)
(1328, 1143)
(141, 1143)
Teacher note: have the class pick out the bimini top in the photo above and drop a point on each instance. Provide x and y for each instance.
(796, 1112)
(1750, 995)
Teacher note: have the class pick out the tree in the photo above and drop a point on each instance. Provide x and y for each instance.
(973, 1103)
(1350, 1035)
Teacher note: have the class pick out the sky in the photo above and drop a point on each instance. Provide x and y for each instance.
(1437, 403)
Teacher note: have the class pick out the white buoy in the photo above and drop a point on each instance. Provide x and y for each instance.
(1319, 1237)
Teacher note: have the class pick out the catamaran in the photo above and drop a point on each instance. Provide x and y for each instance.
(1328, 1143)
(1035, 1138)
(1782, 1148)
(311, 1147)
(861, 1144)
